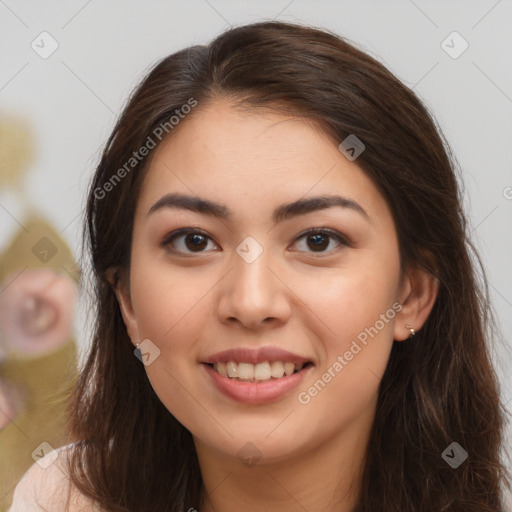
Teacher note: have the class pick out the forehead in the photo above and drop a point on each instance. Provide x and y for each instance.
(223, 131)
(260, 156)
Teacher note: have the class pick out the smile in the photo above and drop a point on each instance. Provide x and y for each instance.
(261, 372)
(257, 391)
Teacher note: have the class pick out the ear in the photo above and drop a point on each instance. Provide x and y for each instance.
(122, 290)
(417, 296)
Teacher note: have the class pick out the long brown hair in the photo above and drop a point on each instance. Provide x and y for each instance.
(131, 454)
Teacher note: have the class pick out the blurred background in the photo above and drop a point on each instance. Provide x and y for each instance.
(66, 70)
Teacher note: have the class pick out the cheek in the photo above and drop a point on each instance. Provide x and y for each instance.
(357, 307)
(346, 383)
(171, 309)
(352, 298)
(167, 300)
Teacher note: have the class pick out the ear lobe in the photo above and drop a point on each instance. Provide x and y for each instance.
(125, 304)
(418, 294)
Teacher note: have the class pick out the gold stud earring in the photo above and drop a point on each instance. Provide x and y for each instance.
(413, 332)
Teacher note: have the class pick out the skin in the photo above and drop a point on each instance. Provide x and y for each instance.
(194, 304)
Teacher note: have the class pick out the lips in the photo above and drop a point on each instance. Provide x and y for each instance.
(256, 376)
(255, 356)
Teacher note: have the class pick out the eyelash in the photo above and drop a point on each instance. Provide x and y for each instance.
(171, 237)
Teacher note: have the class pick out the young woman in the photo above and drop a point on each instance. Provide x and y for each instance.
(289, 314)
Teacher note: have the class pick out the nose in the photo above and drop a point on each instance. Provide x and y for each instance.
(253, 295)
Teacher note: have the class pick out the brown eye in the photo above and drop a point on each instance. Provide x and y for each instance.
(187, 241)
(195, 241)
(320, 240)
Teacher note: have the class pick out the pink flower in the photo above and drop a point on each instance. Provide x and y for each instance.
(36, 311)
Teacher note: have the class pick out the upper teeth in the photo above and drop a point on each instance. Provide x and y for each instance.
(260, 371)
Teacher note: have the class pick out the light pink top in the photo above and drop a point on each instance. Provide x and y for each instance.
(45, 485)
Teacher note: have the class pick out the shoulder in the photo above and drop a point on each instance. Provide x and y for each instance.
(45, 486)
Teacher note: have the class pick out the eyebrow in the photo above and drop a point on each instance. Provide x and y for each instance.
(284, 212)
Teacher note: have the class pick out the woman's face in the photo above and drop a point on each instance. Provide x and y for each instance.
(224, 269)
